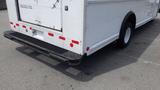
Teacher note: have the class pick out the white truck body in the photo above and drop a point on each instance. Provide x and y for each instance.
(80, 26)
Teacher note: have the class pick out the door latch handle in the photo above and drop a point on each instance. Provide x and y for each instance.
(55, 4)
(66, 8)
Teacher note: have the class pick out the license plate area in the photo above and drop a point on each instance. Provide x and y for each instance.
(38, 34)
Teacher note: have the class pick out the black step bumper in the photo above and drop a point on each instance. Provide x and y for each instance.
(42, 47)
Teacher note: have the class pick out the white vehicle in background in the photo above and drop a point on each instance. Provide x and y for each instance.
(71, 29)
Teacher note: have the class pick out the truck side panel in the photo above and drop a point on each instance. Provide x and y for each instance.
(104, 19)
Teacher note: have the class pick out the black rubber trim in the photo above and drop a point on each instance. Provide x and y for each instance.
(18, 11)
(42, 47)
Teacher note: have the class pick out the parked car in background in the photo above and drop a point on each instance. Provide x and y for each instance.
(2, 4)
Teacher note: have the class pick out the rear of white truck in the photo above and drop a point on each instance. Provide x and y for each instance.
(71, 29)
(53, 27)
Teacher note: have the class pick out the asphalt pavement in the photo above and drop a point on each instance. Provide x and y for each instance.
(135, 68)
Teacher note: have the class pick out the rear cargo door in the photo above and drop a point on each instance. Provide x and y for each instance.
(46, 13)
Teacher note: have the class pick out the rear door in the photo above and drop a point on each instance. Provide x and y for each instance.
(45, 13)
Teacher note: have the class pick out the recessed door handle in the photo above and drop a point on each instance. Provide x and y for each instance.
(66, 8)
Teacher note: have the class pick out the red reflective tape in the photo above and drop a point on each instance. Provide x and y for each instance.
(24, 26)
(75, 42)
(31, 28)
(71, 45)
(51, 34)
(17, 24)
(62, 38)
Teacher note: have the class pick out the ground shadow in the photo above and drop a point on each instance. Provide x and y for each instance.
(105, 60)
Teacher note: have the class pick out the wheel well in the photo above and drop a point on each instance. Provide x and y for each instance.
(130, 17)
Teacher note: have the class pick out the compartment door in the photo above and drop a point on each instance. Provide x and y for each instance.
(45, 13)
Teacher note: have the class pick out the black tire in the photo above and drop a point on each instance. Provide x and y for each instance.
(122, 42)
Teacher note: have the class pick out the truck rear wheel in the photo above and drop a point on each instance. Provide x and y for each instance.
(125, 34)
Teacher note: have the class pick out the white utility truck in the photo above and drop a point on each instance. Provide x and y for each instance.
(71, 29)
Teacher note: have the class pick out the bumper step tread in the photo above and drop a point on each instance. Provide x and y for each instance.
(42, 47)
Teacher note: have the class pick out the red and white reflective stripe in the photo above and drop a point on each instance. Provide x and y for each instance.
(72, 43)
